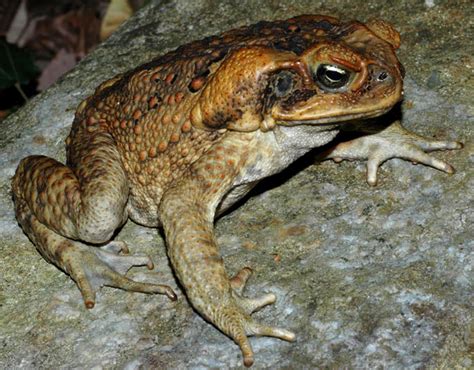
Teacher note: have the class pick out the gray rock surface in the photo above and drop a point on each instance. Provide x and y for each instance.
(367, 277)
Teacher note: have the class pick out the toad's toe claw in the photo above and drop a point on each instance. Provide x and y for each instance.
(239, 281)
(414, 154)
(121, 263)
(82, 281)
(248, 328)
(250, 305)
(373, 165)
(269, 331)
(116, 246)
(430, 145)
(243, 342)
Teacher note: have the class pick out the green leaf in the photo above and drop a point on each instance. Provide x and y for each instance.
(16, 65)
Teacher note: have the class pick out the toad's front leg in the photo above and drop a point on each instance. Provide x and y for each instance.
(394, 141)
(187, 212)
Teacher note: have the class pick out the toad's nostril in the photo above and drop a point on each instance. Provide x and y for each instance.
(382, 76)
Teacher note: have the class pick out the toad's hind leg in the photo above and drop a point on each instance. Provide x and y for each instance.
(60, 209)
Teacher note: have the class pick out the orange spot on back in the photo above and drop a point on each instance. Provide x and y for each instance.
(176, 118)
(166, 119)
(143, 155)
(137, 114)
(162, 146)
(197, 83)
(152, 152)
(186, 126)
(170, 99)
(179, 96)
(174, 137)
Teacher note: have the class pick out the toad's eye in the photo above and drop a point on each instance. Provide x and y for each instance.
(282, 83)
(330, 77)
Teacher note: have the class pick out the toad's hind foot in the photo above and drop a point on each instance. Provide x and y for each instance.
(239, 322)
(94, 267)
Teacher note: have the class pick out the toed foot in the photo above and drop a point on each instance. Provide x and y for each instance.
(241, 325)
(393, 142)
(94, 267)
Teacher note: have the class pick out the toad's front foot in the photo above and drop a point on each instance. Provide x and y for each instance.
(94, 267)
(392, 142)
(235, 320)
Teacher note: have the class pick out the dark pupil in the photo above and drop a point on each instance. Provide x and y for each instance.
(329, 77)
(334, 76)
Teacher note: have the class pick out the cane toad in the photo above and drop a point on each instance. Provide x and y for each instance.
(178, 140)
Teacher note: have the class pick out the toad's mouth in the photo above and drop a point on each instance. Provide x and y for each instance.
(342, 117)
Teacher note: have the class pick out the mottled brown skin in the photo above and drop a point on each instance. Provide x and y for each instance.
(178, 140)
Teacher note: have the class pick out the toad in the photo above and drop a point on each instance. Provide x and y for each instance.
(175, 142)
